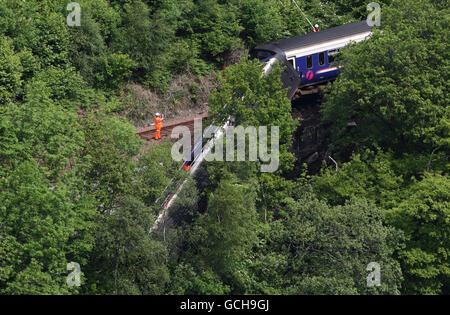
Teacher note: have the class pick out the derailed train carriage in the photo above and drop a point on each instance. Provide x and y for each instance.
(311, 59)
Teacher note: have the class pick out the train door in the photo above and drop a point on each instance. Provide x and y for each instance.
(290, 77)
(321, 65)
(305, 69)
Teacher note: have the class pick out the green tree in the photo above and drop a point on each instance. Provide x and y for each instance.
(147, 36)
(10, 71)
(368, 175)
(126, 260)
(155, 171)
(46, 217)
(395, 85)
(47, 35)
(65, 86)
(217, 29)
(261, 21)
(225, 234)
(185, 280)
(117, 68)
(253, 99)
(328, 248)
(108, 150)
(87, 45)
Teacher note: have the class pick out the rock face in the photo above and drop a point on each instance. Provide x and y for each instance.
(312, 139)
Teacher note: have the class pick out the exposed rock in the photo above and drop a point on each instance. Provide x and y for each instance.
(312, 158)
(312, 139)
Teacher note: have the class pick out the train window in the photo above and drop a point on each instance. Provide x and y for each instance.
(309, 61)
(321, 59)
(334, 56)
(262, 54)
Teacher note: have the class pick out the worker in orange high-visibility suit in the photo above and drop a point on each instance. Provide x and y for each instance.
(158, 125)
(186, 167)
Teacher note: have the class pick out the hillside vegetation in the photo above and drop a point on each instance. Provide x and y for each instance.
(76, 186)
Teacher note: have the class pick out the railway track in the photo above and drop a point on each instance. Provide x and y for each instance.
(204, 146)
(148, 133)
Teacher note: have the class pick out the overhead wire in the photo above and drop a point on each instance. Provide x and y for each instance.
(298, 7)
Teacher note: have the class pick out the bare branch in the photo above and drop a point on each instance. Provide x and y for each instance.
(429, 161)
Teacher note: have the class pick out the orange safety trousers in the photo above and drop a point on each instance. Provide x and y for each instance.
(158, 126)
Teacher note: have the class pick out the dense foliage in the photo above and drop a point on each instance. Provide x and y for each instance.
(395, 87)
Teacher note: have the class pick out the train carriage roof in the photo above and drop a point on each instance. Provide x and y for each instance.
(311, 39)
